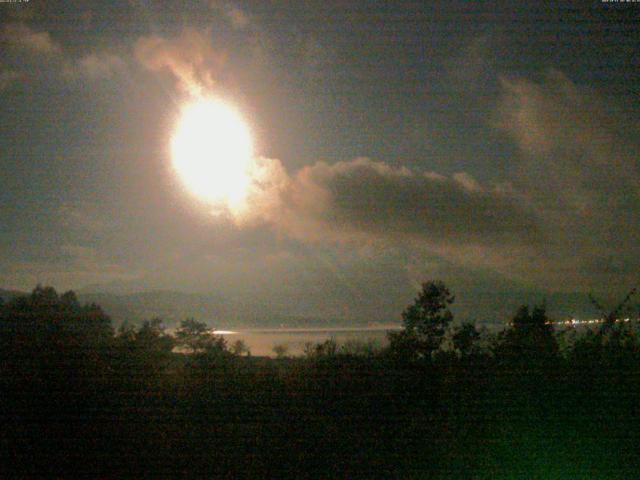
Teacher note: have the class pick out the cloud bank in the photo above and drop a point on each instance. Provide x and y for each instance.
(363, 199)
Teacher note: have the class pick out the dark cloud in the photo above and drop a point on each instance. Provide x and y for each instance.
(363, 198)
(578, 167)
(571, 131)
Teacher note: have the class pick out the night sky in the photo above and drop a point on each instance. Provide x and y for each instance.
(493, 145)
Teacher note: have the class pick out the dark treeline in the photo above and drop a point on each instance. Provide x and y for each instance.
(442, 400)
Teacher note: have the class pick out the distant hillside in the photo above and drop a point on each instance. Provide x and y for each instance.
(498, 306)
(489, 306)
(174, 306)
(171, 306)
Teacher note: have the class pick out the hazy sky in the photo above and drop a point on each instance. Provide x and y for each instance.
(488, 144)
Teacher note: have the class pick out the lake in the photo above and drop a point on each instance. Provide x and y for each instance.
(261, 341)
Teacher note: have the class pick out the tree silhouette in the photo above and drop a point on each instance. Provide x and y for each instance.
(610, 318)
(151, 336)
(52, 343)
(197, 337)
(465, 338)
(531, 335)
(67, 400)
(240, 348)
(425, 322)
(46, 319)
(280, 350)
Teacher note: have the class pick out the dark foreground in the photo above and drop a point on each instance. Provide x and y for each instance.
(79, 400)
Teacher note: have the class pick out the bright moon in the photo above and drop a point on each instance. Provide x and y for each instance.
(212, 150)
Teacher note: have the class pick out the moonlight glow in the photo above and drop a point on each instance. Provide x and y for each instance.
(212, 151)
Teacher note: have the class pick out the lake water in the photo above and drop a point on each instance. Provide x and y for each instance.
(262, 341)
